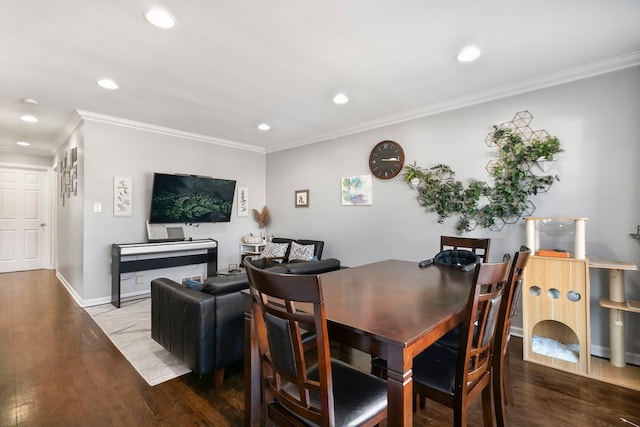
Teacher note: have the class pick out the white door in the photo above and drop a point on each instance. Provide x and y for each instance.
(24, 228)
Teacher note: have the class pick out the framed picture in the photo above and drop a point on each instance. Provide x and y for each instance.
(302, 198)
(357, 190)
(243, 201)
(122, 196)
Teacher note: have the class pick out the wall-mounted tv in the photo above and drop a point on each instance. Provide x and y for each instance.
(190, 199)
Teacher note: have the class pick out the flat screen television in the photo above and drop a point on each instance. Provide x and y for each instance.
(190, 199)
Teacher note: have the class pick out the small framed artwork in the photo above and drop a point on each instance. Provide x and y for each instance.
(243, 201)
(357, 190)
(302, 198)
(122, 196)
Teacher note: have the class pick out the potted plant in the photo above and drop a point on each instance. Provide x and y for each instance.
(263, 218)
(543, 151)
(412, 175)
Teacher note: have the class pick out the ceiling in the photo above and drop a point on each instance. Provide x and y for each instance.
(229, 65)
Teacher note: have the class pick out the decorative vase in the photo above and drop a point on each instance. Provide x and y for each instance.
(414, 183)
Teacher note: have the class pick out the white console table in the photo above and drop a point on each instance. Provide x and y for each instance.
(250, 249)
(118, 266)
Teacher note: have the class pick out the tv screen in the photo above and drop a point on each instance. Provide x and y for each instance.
(190, 199)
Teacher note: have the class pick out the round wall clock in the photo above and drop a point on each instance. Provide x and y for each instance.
(386, 159)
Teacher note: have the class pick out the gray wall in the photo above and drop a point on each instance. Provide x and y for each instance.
(69, 230)
(108, 150)
(596, 120)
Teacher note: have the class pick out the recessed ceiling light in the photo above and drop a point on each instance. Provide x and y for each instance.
(160, 18)
(107, 84)
(30, 101)
(340, 98)
(29, 118)
(264, 127)
(23, 143)
(469, 53)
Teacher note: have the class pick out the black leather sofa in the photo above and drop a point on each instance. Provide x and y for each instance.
(205, 327)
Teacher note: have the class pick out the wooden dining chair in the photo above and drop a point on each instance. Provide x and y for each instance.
(300, 391)
(479, 247)
(502, 392)
(455, 378)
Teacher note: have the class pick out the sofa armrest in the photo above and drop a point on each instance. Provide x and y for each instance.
(184, 322)
(225, 285)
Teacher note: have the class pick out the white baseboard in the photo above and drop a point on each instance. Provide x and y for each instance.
(596, 350)
(69, 289)
(516, 331)
(123, 297)
(96, 301)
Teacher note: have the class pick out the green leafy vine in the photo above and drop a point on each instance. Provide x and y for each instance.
(480, 204)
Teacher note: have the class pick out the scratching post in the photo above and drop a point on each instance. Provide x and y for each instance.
(618, 306)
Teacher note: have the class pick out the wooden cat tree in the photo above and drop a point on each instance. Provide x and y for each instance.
(555, 299)
(555, 305)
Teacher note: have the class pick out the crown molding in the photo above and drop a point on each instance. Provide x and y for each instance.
(131, 124)
(68, 128)
(549, 80)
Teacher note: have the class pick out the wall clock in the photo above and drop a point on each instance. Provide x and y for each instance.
(386, 159)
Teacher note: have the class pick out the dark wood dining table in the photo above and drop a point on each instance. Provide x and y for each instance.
(391, 309)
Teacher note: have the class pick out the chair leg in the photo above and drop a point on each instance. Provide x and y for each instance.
(506, 381)
(460, 417)
(487, 410)
(419, 400)
(498, 383)
(218, 377)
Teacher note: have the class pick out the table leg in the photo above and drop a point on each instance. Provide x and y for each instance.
(616, 319)
(399, 389)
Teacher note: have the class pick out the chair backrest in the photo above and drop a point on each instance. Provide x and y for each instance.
(479, 247)
(281, 326)
(511, 298)
(478, 328)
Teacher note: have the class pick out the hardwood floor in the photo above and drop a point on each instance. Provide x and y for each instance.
(57, 368)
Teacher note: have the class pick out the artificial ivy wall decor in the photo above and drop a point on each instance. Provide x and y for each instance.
(521, 151)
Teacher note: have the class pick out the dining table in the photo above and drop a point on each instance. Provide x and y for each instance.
(391, 309)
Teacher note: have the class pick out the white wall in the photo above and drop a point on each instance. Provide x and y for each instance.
(596, 120)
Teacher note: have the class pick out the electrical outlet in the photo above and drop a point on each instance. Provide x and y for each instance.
(97, 207)
(139, 280)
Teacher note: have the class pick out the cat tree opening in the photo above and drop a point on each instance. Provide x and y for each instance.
(555, 339)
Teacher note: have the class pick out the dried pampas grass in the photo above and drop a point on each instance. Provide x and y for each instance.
(262, 218)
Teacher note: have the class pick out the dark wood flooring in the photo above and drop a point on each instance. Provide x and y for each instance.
(57, 368)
